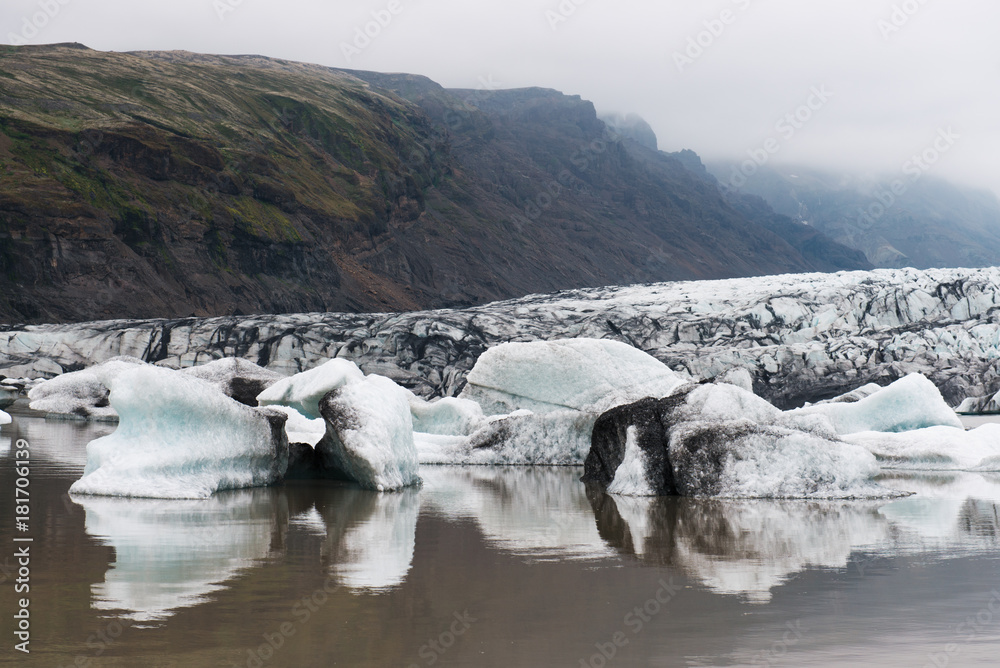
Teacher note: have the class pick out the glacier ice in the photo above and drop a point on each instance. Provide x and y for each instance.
(83, 393)
(522, 438)
(630, 476)
(937, 448)
(448, 416)
(989, 404)
(180, 437)
(299, 428)
(913, 402)
(304, 391)
(580, 374)
(369, 434)
(236, 377)
(722, 441)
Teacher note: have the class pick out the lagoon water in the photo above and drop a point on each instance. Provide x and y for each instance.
(496, 567)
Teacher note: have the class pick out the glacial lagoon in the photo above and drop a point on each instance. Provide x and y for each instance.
(486, 566)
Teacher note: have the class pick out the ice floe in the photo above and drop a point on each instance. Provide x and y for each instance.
(180, 437)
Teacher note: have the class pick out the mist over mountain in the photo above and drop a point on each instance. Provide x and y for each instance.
(910, 220)
(165, 184)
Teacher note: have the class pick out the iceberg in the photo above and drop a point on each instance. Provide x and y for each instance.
(369, 434)
(82, 393)
(722, 441)
(448, 416)
(303, 391)
(236, 377)
(523, 438)
(990, 404)
(913, 402)
(180, 437)
(579, 374)
(935, 448)
(5, 417)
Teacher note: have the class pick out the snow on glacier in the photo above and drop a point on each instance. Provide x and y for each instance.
(580, 374)
(180, 437)
(910, 403)
(369, 434)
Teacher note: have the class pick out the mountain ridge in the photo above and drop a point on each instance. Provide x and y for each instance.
(168, 184)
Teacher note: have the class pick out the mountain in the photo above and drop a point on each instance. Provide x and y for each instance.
(927, 222)
(168, 184)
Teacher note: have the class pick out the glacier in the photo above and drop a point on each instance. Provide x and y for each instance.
(802, 337)
(181, 437)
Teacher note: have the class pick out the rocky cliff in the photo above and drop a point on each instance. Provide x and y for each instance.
(172, 184)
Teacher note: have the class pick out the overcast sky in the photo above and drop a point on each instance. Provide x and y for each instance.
(892, 73)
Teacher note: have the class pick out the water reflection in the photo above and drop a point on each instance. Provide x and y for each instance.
(174, 554)
(369, 536)
(542, 513)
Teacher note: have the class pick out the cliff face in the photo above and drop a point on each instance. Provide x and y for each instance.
(170, 184)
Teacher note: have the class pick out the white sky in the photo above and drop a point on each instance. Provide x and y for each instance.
(891, 92)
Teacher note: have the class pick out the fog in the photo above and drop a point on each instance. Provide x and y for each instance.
(718, 77)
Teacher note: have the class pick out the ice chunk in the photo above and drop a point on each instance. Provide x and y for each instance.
(580, 374)
(369, 434)
(990, 404)
(303, 391)
(180, 437)
(5, 418)
(630, 476)
(237, 378)
(935, 448)
(740, 459)
(910, 403)
(83, 393)
(299, 428)
(449, 416)
(722, 441)
(739, 376)
(523, 438)
(853, 396)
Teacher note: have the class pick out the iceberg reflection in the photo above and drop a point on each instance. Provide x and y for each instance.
(172, 554)
(542, 512)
